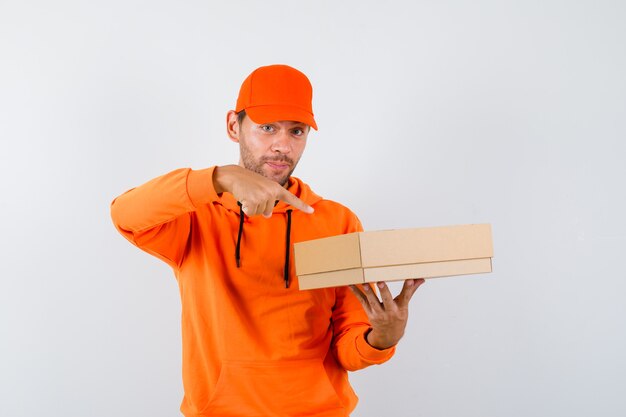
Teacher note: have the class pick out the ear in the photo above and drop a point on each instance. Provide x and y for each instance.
(232, 126)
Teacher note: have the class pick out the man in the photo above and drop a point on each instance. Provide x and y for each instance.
(253, 344)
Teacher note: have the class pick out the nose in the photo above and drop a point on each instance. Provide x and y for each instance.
(281, 142)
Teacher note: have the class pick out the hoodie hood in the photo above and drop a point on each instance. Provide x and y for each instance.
(294, 186)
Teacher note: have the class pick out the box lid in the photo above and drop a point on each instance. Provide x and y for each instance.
(393, 247)
(430, 244)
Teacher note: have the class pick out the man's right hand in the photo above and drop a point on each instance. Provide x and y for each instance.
(257, 194)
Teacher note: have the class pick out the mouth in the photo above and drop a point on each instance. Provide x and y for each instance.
(277, 165)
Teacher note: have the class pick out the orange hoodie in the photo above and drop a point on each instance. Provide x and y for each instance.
(251, 347)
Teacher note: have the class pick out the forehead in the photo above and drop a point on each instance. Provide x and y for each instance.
(287, 124)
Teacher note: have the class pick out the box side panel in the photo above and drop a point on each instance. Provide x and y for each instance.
(331, 279)
(432, 244)
(428, 270)
(327, 254)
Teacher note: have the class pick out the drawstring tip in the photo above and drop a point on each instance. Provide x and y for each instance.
(286, 282)
(238, 263)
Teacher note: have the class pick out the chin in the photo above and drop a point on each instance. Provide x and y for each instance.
(281, 179)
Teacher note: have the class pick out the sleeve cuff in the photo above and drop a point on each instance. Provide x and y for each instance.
(371, 354)
(200, 186)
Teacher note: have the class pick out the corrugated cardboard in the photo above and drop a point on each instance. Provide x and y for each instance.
(391, 255)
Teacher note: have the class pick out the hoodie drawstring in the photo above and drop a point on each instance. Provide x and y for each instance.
(287, 248)
(238, 247)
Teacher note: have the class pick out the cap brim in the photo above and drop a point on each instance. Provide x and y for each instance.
(275, 113)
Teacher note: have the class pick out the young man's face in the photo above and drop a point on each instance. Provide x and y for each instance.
(271, 149)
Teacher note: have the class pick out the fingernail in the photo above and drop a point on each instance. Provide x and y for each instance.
(381, 285)
(409, 283)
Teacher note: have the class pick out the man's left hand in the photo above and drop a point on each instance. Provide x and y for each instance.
(389, 317)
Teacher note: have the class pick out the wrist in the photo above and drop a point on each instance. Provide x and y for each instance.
(379, 341)
(221, 178)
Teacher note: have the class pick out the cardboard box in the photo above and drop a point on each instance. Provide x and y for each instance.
(392, 255)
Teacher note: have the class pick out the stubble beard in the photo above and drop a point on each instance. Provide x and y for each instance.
(249, 162)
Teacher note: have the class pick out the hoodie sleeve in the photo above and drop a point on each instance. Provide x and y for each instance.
(156, 215)
(350, 325)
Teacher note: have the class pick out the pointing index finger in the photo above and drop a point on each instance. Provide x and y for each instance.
(291, 199)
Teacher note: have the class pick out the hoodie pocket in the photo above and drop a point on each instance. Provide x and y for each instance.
(263, 389)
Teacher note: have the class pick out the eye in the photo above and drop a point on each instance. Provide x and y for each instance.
(267, 128)
(298, 131)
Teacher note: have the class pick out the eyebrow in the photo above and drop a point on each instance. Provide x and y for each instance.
(294, 123)
(290, 123)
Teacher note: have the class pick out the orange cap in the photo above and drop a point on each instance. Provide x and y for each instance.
(277, 92)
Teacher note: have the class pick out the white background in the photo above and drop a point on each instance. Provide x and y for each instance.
(430, 113)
